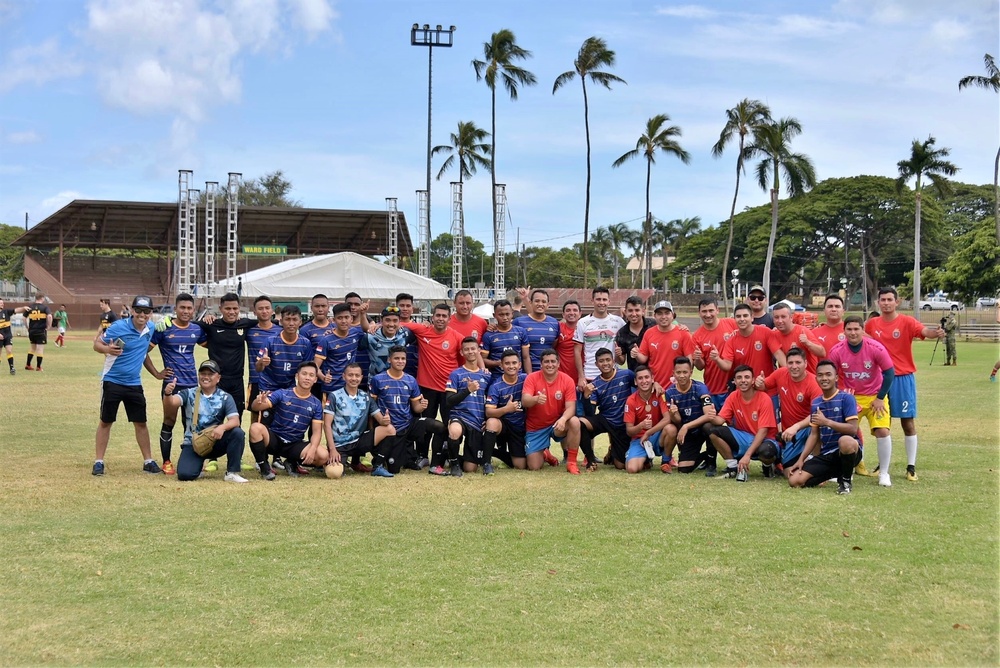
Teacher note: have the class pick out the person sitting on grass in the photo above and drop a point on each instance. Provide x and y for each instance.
(644, 419)
(346, 416)
(832, 449)
(549, 395)
(465, 397)
(608, 392)
(293, 412)
(690, 408)
(796, 390)
(745, 427)
(505, 414)
(215, 408)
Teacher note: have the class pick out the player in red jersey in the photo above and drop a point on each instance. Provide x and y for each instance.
(745, 427)
(664, 343)
(748, 345)
(796, 390)
(567, 330)
(464, 321)
(549, 396)
(787, 335)
(710, 340)
(831, 331)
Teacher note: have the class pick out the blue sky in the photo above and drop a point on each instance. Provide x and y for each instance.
(107, 99)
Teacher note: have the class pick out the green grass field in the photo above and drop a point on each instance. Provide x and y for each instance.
(520, 568)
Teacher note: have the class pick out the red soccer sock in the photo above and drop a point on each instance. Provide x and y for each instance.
(571, 466)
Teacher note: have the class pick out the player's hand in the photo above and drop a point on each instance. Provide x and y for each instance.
(681, 326)
(633, 352)
(759, 381)
(328, 378)
(523, 294)
(208, 319)
(265, 359)
(696, 355)
(789, 434)
(818, 419)
(647, 424)
(657, 389)
(803, 338)
(422, 404)
(491, 326)
(560, 424)
(390, 430)
(743, 464)
(164, 324)
(878, 405)
(114, 350)
(713, 354)
(674, 409)
(171, 386)
(365, 305)
(472, 386)
(541, 397)
(334, 457)
(383, 420)
(682, 434)
(218, 432)
(588, 390)
(517, 407)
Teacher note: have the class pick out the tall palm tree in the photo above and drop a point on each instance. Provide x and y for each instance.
(664, 235)
(593, 55)
(619, 233)
(685, 228)
(924, 160)
(655, 138)
(500, 55)
(468, 144)
(991, 82)
(603, 248)
(772, 141)
(741, 120)
(636, 241)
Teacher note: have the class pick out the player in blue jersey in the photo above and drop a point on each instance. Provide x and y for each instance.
(177, 343)
(465, 396)
(347, 414)
(279, 359)
(542, 331)
(832, 449)
(505, 415)
(337, 350)
(505, 336)
(316, 329)
(294, 411)
(381, 340)
(359, 318)
(256, 338)
(608, 392)
(124, 345)
(398, 396)
(689, 403)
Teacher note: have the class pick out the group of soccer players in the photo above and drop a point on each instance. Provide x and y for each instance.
(452, 395)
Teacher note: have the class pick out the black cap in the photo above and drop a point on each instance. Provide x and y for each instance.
(211, 365)
(142, 301)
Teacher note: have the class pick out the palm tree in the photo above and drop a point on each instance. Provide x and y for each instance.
(924, 159)
(636, 241)
(741, 120)
(664, 235)
(685, 228)
(499, 57)
(468, 145)
(619, 234)
(593, 55)
(656, 138)
(603, 247)
(772, 141)
(991, 82)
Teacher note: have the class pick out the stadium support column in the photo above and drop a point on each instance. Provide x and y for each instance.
(211, 187)
(232, 216)
(393, 221)
(184, 269)
(499, 255)
(193, 195)
(424, 233)
(458, 236)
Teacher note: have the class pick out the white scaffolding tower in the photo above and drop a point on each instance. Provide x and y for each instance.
(393, 221)
(232, 217)
(211, 187)
(424, 233)
(458, 236)
(192, 218)
(185, 245)
(499, 250)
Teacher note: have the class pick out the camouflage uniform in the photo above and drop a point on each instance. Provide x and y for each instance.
(950, 327)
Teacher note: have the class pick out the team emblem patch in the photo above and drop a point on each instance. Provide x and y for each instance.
(240, 332)
(844, 365)
(559, 396)
(868, 364)
(674, 345)
(445, 345)
(757, 345)
(895, 333)
(841, 336)
(799, 397)
(753, 416)
(727, 336)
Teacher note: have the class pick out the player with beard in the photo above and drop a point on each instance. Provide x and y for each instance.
(748, 345)
(664, 343)
(745, 427)
(787, 335)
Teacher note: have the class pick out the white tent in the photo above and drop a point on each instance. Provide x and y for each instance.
(334, 275)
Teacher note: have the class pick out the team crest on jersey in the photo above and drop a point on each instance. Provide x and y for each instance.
(844, 365)
(753, 416)
(727, 336)
(656, 403)
(868, 364)
(757, 345)
(674, 345)
(559, 396)
(240, 332)
(841, 336)
(895, 333)
(799, 397)
(445, 345)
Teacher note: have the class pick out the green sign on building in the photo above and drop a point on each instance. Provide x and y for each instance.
(264, 250)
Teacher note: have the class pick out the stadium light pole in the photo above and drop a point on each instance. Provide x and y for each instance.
(430, 37)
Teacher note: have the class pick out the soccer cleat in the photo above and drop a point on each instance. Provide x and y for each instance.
(168, 468)
(211, 466)
(234, 477)
(361, 467)
(608, 458)
(456, 470)
(844, 487)
(38, 369)
(301, 470)
(151, 467)
(710, 471)
(666, 467)
(550, 458)
(291, 469)
(437, 470)
(488, 469)
(98, 468)
(412, 465)
(591, 467)
(729, 473)
(911, 473)
(861, 469)
(572, 468)
(277, 464)
(767, 470)
(883, 480)
(28, 367)
(12, 372)
(423, 462)
(267, 473)
(742, 476)
(381, 472)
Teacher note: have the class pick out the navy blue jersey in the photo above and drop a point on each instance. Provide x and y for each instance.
(285, 360)
(689, 404)
(315, 333)
(338, 352)
(257, 338)
(293, 414)
(393, 397)
(839, 408)
(471, 410)
(540, 336)
(500, 392)
(177, 346)
(610, 395)
(497, 343)
(377, 344)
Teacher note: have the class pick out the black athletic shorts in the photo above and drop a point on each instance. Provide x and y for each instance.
(362, 446)
(617, 436)
(472, 444)
(5, 338)
(824, 467)
(512, 438)
(285, 449)
(690, 449)
(38, 338)
(236, 388)
(113, 395)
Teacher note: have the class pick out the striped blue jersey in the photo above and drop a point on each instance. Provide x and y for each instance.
(363, 358)
(497, 343)
(500, 392)
(257, 338)
(338, 353)
(350, 414)
(177, 352)
(393, 397)
(315, 333)
(689, 403)
(839, 408)
(377, 344)
(540, 335)
(285, 360)
(293, 414)
(471, 410)
(610, 395)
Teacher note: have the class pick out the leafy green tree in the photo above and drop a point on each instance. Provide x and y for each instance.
(603, 248)
(924, 160)
(468, 145)
(11, 257)
(474, 258)
(271, 189)
(592, 57)
(619, 235)
(989, 82)
(973, 268)
(561, 268)
(742, 120)
(500, 56)
(655, 138)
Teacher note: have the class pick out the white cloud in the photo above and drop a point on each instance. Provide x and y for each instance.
(313, 16)
(50, 205)
(37, 64)
(949, 31)
(688, 12)
(25, 137)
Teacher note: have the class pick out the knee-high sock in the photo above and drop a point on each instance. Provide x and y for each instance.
(39, 365)
(259, 453)
(910, 442)
(30, 357)
(884, 447)
(10, 360)
(846, 466)
(489, 445)
(166, 440)
(587, 445)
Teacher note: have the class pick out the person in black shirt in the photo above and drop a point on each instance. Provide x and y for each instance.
(39, 321)
(107, 315)
(629, 337)
(757, 300)
(226, 343)
(6, 337)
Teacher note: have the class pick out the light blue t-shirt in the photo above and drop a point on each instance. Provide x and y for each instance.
(126, 369)
(213, 409)
(350, 414)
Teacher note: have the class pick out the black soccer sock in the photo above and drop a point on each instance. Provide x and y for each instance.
(454, 448)
(846, 466)
(10, 360)
(489, 445)
(587, 445)
(39, 365)
(166, 440)
(503, 454)
(259, 453)
(30, 356)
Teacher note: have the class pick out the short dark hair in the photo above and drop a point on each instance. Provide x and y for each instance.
(342, 307)
(262, 298)
(634, 301)
(888, 291)
(833, 295)
(462, 293)
(469, 339)
(403, 297)
(396, 349)
(351, 294)
(509, 352)
(779, 306)
(642, 367)
(707, 302)
(534, 292)
(183, 297)
(826, 362)
(501, 303)
(601, 352)
(570, 302)
(795, 351)
(309, 364)
(683, 359)
(442, 307)
(353, 365)
(855, 319)
(743, 307)
(319, 296)
(743, 367)
(229, 297)
(598, 289)
(547, 352)
(291, 309)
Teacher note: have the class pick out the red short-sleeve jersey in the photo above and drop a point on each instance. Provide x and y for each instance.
(557, 393)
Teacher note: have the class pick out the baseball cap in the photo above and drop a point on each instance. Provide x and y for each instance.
(211, 365)
(757, 288)
(390, 310)
(142, 301)
(664, 304)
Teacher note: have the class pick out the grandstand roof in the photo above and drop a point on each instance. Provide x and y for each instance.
(153, 226)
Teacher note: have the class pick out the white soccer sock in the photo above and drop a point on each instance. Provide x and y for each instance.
(911, 449)
(884, 447)
(731, 463)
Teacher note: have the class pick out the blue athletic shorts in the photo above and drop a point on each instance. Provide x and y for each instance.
(718, 400)
(536, 441)
(635, 449)
(790, 451)
(744, 439)
(903, 396)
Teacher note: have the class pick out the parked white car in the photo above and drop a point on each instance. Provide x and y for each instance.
(939, 303)
(986, 302)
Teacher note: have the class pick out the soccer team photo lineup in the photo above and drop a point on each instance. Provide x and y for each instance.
(341, 389)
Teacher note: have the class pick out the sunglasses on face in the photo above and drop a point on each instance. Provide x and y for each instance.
(142, 311)
(755, 298)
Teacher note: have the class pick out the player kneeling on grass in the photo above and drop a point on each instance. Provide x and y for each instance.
(504, 413)
(207, 407)
(796, 390)
(690, 408)
(550, 397)
(346, 416)
(644, 423)
(745, 428)
(608, 392)
(465, 398)
(832, 449)
(293, 412)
